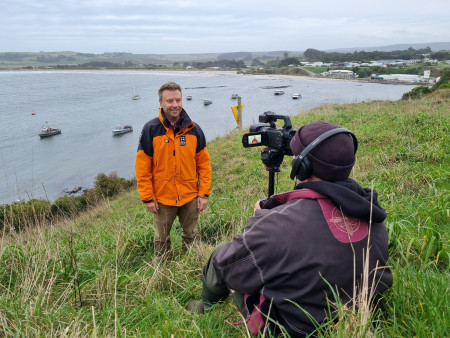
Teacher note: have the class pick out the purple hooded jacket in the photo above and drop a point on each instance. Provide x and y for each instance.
(314, 235)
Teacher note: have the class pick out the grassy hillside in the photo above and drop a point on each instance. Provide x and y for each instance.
(44, 59)
(17, 60)
(96, 275)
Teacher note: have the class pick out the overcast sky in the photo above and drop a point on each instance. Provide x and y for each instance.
(217, 26)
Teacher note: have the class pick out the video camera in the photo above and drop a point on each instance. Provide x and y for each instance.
(276, 140)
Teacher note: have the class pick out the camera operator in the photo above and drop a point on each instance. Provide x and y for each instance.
(304, 244)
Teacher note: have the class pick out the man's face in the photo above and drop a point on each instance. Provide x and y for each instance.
(172, 104)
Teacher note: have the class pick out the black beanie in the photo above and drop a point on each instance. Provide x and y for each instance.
(333, 158)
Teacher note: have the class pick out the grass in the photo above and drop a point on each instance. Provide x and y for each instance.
(96, 276)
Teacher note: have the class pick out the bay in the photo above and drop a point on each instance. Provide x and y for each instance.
(87, 105)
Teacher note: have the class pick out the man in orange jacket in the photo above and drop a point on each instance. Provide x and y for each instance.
(173, 169)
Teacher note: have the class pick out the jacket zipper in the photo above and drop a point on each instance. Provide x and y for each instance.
(175, 180)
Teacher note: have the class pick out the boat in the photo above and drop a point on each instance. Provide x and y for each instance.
(188, 97)
(122, 129)
(297, 96)
(47, 131)
(135, 96)
(278, 92)
(207, 102)
(234, 96)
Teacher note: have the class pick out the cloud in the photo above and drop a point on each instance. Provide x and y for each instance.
(161, 27)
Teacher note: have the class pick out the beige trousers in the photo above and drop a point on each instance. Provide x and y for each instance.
(163, 220)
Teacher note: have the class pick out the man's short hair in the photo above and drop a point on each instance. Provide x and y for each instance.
(168, 86)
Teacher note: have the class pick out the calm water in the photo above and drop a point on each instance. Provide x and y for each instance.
(87, 106)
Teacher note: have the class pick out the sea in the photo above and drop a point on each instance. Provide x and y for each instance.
(87, 105)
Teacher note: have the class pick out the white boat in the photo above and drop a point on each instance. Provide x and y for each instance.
(188, 97)
(207, 102)
(47, 131)
(297, 96)
(122, 129)
(278, 92)
(234, 96)
(135, 96)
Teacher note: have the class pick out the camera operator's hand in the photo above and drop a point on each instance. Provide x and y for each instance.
(152, 207)
(257, 206)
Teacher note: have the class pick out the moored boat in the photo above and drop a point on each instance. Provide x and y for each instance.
(121, 129)
(297, 96)
(278, 92)
(47, 131)
(188, 97)
(207, 102)
(234, 96)
(135, 96)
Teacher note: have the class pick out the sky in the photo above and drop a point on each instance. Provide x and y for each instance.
(212, 26)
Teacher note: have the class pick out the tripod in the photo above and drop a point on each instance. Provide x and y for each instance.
(272, 158)
(271, 182)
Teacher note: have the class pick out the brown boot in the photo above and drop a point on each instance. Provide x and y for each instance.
(161, 248)
(187, 243)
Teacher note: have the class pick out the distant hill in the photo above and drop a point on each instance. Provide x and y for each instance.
(11, 60)
(435, 47)
(49, 59)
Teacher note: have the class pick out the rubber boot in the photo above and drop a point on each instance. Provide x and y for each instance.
(196, 306)
(209, 297)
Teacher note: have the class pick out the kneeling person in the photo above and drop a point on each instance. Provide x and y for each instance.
(303, 239)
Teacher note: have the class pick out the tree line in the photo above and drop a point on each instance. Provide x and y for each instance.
(222, 64)
(361, 56)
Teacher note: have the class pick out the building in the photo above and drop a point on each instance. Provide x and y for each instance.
(341, 73)
(426, 78)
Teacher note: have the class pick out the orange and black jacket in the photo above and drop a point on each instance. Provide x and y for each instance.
(172, 166)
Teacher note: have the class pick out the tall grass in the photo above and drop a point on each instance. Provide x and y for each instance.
(96, 275)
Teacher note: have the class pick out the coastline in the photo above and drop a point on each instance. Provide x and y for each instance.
(321, 78)
(218, 72)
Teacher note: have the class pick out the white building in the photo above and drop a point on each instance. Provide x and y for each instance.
(314, 64)
(339, 73)
(407, 77)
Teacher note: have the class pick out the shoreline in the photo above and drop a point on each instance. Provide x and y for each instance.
(218, 72)
(321, 78)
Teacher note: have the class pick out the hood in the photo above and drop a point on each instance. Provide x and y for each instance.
(350, 197)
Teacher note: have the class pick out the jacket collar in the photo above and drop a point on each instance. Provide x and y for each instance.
(186, 122)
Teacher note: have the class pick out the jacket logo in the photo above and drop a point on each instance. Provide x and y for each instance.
(344, 228)
(182, 140)
(344, 223)
(166, 140)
